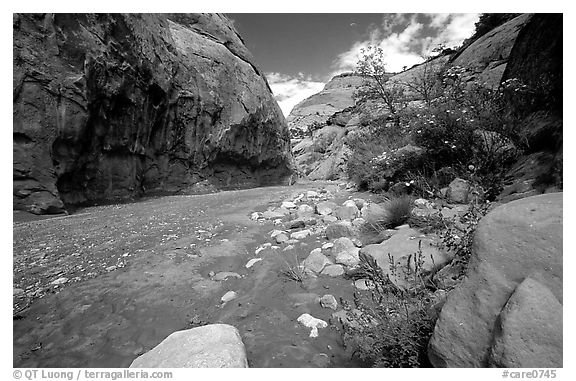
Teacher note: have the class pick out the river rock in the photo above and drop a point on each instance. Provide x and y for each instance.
(305, 210)
(515, 241)
(228, 297)
(458, 191)
(252, 262)
(316, 261)
(288, 205)
(329, 301)
(340, 229)
(310, 321)
(120, 105)
(209, 346)
(347, 212)
(325, 208)
(364, 284)
(402, 247)
(281, 238)
(345, 252)
(301, 234)
(333, 270)
(372, 212)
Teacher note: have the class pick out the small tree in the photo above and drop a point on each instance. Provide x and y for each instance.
(372, 67)
(425, 82)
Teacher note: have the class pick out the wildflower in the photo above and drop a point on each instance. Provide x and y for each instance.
(471, 167)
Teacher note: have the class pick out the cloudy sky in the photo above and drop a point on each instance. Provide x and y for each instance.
(300, 52)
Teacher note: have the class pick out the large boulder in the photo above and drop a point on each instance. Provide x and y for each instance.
(114, 106)
(518, 240)
(403, 248)
(209, 346)
(529, 331)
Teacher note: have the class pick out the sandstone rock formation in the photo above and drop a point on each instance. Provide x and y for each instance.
(113, 106)
(480, 323)
(337, 95)
(209, 346)
(486, 58)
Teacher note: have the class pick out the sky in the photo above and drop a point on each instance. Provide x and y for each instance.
(299, 53)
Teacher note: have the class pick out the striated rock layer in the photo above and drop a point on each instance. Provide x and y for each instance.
(114, 106)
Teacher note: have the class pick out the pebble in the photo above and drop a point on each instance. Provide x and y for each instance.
(252, 262)
(59, 281)
(301, 234)
(310, 321)
(229, 296)
(223, 275)
(329, 301)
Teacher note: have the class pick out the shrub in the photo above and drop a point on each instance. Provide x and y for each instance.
(396, 212)
(392, 328)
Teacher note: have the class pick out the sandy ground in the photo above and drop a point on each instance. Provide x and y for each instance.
(137, 272)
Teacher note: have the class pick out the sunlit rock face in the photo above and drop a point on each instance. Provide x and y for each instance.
(115, 106)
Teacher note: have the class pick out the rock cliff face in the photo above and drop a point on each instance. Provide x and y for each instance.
(487, 57)
(337, 95)
(114, 106)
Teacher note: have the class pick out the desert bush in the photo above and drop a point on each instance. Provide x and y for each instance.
(396, 212)
(391, 328)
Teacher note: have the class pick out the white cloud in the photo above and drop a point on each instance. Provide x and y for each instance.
(454, 29)
(290, 90)
(405, 40)
(397, 47)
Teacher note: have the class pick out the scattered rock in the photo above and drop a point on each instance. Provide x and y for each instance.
(372, 211)
(333, 270)
(272, 214)
(359, 202)
(281, 238)
(275, 233)
(327, 245)
(312, 194)
(364, 284)
(358, 222)
(59, 281)
(329, 219)
(301, 234)
(254, 216)
(329, 301)
(458, 191)
(296, 224)
(111, 268)
(348, 211)
(346, 252)
(316, 262)
(288, 205)
(208, 346)
(305, 210)
(340, 229)
(252, 262)
(223, 275)
(310, 321)
(229, 296)
(402, 247)
(325, 208)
